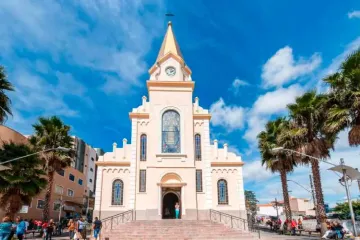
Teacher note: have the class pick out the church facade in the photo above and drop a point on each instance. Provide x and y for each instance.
(170, 158)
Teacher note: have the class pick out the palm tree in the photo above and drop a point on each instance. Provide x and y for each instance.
(344, 99)
(23, 180)
(309, 114)
(5, 102)
(51, 133)
(277, 161)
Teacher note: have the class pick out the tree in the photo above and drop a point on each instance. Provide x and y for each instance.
(309, 114)
(251, 204)
(23, 180)
(274, 136)
(344, 210)
(344, 99)
(5, 102)
(52, 133)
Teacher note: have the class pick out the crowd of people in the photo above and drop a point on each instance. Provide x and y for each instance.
(77, 228)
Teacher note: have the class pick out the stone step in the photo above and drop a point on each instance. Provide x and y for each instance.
(172, 229)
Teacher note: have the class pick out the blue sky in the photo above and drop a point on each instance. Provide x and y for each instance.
(87, 61)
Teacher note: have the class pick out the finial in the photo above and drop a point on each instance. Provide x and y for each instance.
(169, 23)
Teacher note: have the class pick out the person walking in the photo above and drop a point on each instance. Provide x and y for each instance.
(71, 228)
(177, 210)
(5, 228)
(97, 227)
(81, 228)
(20, 228)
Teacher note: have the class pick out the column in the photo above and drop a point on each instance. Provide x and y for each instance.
(98, 190)
(241, 192)
(159, 200)
(183, 200)
(132, 178)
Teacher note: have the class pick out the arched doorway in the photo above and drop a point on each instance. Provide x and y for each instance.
(169, 201)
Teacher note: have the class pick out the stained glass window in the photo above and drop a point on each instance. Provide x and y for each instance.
(197, 147)
(171, 132)
(143, 147)
(142, 185)
(199, 180)
(222, 192)
(117, 192)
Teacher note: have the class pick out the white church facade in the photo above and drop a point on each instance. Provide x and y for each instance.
(170, 157)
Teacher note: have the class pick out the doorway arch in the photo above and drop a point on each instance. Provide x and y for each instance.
(168, 205)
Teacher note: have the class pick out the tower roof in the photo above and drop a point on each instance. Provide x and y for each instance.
(169, 45)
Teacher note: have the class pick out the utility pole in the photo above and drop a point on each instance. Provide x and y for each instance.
(342, 163)
(277, 208)
(61, 206)
(313, 197)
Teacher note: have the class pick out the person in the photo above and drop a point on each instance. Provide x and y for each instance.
(50, 229)
(81, 228)
(177, 210)
(337, 231)
(293, 227)
(97, 227)
(329, 226)
(71, 228)
(5, 228)
(300, 226)
(20, 228)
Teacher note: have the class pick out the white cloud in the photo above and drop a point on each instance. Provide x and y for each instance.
(254, 171)
(267, 105)
(283, 68)
(276, 101)
(237, 84)
(227, 116)
(354, 14)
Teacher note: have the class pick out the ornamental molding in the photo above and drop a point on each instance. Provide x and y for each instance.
(227, 171)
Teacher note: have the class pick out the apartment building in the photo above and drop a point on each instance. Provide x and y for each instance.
(73, 187)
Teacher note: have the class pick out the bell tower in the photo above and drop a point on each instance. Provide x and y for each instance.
(170, 65)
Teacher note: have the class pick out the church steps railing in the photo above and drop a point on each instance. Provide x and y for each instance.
(109, 222)
(233, 221)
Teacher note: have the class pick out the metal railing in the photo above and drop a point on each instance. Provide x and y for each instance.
(233, 221)
(123, 217)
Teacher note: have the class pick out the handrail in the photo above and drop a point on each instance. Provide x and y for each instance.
(117, 219)
(233, 221)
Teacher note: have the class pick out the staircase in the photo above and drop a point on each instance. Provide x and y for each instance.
(173, 229)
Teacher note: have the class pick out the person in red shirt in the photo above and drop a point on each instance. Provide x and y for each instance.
(293, 226)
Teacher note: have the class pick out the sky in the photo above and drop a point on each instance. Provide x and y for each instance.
(87, 61)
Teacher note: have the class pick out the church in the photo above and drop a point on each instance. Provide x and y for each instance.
(169, 158)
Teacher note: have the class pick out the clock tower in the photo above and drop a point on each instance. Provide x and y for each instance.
(170, 65)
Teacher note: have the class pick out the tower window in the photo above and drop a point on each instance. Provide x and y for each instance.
(143, 142)
(197, 147)
(171, 132)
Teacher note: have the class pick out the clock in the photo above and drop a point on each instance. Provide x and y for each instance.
(170, 71)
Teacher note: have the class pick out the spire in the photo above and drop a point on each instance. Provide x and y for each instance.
(169, 44)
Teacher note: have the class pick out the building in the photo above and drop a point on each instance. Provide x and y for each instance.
(298, 206)
(73, 189)
(170, 157)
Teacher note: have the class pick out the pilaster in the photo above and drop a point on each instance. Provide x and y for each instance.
(240, 189)
(207, 165)
(132, 179)
(98, 190)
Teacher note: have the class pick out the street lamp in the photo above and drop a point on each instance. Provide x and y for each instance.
(62, 149)
(348, 173)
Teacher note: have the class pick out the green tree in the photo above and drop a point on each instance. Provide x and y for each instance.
(52, 133)
(344, 99)
(251, 204)
(344, 210)
(274, 136)
(23, 180)
(309, 114)
(5, 102)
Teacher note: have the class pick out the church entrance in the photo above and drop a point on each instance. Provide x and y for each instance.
(170, 198)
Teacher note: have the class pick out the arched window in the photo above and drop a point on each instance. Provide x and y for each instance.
(197, 147)
(117, 192)
(143, 147)
(222, 192)
(171, 132)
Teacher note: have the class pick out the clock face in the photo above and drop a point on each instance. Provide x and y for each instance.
(170, 71)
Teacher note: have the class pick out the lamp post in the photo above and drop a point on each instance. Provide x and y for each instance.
(63, 149)
(348, 173)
